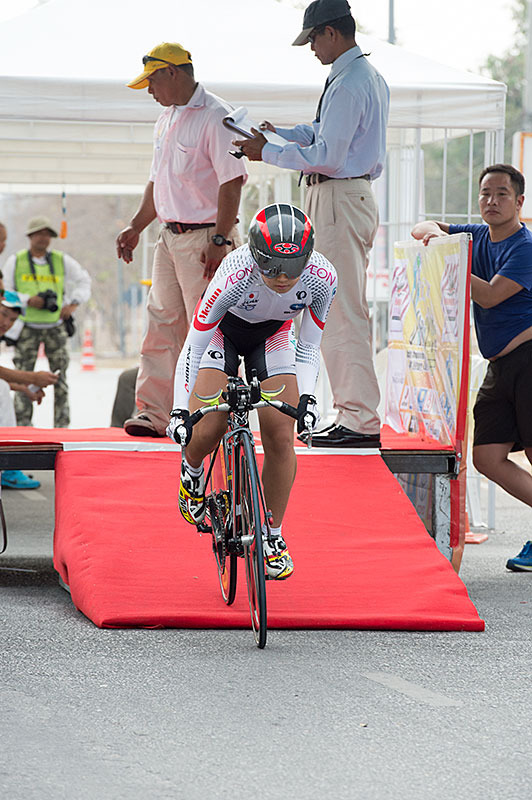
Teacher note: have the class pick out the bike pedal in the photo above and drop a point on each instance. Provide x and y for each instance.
(202, 527)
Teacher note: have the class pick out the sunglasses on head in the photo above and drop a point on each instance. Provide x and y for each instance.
(147, 59)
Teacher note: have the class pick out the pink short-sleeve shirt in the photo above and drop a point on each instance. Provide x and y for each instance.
(191, 159)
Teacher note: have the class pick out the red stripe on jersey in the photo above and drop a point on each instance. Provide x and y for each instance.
(280, 339)
(263, 225)
(201, 326)
(316, 319)
(218, 339)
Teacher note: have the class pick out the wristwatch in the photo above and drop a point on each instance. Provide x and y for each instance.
(220, 240)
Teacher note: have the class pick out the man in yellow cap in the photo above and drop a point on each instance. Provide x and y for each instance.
(194, 190)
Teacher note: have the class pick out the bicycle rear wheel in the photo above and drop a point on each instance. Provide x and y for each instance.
(220, 517)
(252, 539)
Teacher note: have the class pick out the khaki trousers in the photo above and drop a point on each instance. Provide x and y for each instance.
(177, 285)
(345, 218)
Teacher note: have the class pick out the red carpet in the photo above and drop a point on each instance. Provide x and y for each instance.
(362, 556)
(28, 436)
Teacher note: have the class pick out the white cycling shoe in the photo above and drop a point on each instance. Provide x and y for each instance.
(192, 496)
(278, 561)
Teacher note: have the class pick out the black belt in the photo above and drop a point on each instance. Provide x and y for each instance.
(317, 177)
(182, 227)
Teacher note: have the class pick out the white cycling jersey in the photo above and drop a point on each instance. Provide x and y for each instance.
(238, 288)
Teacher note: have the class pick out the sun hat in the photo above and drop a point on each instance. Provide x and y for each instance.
(40, 224)
(167, 53)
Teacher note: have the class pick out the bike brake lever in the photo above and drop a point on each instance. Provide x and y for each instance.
(182, 433)
(308, 425)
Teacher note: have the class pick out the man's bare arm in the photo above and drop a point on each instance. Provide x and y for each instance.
(429, 229)
(128, 239)
(496, 291)
(40, 379)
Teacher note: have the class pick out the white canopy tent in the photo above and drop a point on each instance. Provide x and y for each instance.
(68, 120)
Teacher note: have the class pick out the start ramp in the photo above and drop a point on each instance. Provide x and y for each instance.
(363, 559)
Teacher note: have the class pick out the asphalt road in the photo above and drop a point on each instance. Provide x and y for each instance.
(112, 714)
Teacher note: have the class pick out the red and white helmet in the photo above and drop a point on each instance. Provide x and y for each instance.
(281, 239)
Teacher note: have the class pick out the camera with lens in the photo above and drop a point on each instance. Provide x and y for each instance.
(50, 300)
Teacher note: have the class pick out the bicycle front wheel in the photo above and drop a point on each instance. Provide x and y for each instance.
(219, 514)
(251, 532)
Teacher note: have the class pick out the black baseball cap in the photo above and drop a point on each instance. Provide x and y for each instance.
(319, 13)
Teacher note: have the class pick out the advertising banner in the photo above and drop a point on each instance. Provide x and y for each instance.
(428, 339)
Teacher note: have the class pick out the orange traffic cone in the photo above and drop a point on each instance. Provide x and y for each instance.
(474, 537)
(41, 353)
(87, 353)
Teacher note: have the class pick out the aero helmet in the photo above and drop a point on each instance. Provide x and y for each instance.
(281, 239)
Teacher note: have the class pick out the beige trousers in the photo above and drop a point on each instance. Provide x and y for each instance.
(177, 285)
(345, 218)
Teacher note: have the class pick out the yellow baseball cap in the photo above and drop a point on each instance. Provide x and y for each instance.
(159, 58)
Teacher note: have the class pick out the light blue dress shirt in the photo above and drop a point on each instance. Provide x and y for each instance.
(350, 139)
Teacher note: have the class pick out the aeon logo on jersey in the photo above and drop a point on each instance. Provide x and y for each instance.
(237, 276)
(286, 248)
(322, 273)
(209, 304)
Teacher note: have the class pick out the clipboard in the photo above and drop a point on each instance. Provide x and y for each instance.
(229, 122)
(239, 122)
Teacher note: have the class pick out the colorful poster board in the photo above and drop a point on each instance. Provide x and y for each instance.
(428, 340)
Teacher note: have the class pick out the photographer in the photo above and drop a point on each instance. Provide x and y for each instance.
(51, 284)
(30, 383)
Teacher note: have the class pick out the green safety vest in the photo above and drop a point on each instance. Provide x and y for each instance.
(31, 278)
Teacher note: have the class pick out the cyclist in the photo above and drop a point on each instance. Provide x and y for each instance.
(248, 311)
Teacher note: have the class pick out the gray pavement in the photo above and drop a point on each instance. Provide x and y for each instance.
(89, 713)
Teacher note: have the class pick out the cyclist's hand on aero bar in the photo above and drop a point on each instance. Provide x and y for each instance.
(179, 428)
(308, 415)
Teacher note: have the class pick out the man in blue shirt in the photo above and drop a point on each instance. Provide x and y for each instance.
(501, 289)
(339, 155)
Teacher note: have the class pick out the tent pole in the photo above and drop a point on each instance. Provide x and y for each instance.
(444, 178)
(391, 22)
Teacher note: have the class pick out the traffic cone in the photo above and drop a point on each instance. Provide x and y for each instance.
(41, 353)
(474, 537)
(87, 353)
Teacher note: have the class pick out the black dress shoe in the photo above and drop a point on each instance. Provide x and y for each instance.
(339, 436)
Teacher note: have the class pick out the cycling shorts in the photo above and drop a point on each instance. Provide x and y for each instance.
(268, 347)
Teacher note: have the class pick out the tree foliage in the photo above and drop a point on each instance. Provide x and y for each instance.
(509, 68)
